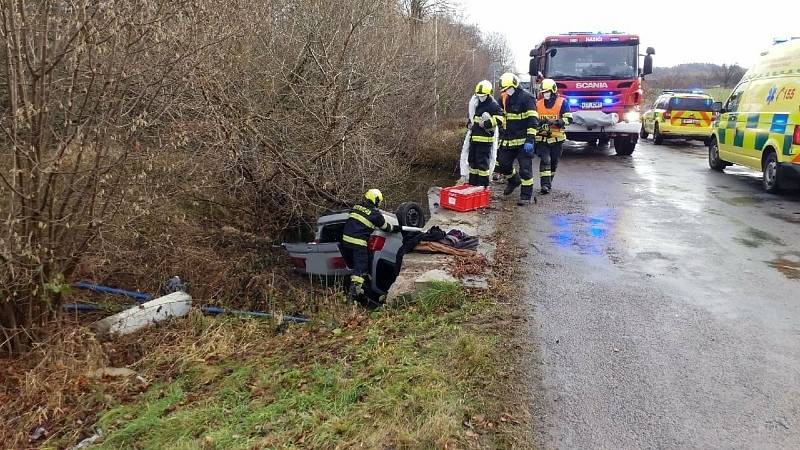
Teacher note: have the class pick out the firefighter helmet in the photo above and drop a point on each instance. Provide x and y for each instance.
(508, 80)
(484, 88)
(549, 85)
(374, 196)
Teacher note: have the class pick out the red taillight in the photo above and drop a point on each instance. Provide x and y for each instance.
(667, 114)
(796, 138)
(376, 243)
(299, 263)
(337, 263)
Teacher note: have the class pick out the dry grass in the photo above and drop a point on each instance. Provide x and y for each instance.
(438, 373)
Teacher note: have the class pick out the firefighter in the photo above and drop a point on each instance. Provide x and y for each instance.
(487, 117)
(517, 137)
(364, 218)
(554, 116)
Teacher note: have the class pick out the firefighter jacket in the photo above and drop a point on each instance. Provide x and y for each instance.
(552, 110)
(521, 118)
(363, 220)
(482, 131)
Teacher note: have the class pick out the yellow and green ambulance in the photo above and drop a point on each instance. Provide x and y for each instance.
(759, 125)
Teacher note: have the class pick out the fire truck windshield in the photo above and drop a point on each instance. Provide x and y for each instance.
(587, 62)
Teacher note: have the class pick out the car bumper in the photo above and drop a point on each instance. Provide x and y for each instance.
(618, 128)
(685, 132)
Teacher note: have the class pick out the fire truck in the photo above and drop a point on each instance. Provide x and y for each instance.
(600, 75)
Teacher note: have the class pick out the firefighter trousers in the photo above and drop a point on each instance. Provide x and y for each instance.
(478, 159)
(357, 260)
(549, 155)
(505, 166)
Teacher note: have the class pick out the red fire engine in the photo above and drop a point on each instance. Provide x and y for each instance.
(600, 75)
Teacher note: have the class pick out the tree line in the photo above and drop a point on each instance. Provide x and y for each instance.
(133, 131)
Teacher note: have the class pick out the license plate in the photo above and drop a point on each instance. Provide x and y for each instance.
(591, 105)
(689, 120)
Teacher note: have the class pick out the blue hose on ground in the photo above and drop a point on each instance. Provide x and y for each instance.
(138, 296)
(81, 307)
(214, 310)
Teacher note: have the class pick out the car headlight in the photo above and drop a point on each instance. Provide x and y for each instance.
(632, 116)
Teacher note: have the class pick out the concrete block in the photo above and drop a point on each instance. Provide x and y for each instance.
(431, 276)
(173, 305)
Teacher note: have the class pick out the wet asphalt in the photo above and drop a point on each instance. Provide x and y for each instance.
(663, 304)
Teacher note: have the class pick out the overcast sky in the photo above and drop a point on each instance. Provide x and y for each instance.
(681, 32)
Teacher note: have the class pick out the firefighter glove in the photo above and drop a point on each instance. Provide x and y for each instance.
(528, 148)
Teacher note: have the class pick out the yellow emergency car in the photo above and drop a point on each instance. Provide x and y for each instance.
(759, 124)
(679, 115)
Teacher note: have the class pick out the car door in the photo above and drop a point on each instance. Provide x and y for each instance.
(650, 116)
(731, 127)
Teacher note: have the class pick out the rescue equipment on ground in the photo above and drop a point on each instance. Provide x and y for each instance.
(465, 197)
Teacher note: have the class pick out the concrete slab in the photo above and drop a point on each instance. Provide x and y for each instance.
(173, 305)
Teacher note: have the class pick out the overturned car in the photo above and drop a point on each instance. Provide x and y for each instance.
(321, 258)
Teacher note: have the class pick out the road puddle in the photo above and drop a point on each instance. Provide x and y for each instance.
(586, 234)
(757, 238)
(788, 264)
(741, 201)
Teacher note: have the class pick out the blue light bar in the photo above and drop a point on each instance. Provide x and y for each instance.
(573, 101)
(608, 101)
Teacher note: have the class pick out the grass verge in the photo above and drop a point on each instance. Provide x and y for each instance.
(411, 377)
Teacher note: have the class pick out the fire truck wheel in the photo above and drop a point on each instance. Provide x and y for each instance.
(625, 145)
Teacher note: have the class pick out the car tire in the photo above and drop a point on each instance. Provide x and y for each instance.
(643, 133)
(624, 146)
(410, 214)
(770, 173)
(714, 161)
(658, 139)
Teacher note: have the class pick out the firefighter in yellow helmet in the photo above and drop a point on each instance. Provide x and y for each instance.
(554, 116)
(487, 117)
(517, 138)
(364, 218)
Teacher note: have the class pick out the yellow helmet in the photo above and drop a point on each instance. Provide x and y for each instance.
(508, 80)
(549, 85)
(484, 88)
(374, 196)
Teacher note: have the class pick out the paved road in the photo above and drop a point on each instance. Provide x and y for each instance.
(664, 305)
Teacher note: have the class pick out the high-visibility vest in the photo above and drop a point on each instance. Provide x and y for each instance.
(553, 113)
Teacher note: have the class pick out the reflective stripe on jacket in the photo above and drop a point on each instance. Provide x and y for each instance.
(363, 220)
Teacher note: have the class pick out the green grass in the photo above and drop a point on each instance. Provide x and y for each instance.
(405, 378)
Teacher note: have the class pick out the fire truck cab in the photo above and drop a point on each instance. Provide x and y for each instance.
(600, 75)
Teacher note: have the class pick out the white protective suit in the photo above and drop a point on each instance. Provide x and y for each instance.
(473, 104)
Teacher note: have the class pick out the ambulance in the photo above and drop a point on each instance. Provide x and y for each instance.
(759, 124)
(679, 114)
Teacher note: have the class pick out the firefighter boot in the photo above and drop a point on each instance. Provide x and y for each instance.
(512, 185)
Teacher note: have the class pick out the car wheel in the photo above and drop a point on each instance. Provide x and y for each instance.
(410, 214)
(657, 138)
(714, 161)
(770, 177)
(643, 133)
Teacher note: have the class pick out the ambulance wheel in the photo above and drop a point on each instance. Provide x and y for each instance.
(770, 178)
(714, 161)
(657, 138)
(642, 133)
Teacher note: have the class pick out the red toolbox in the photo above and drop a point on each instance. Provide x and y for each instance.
(465, 197)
